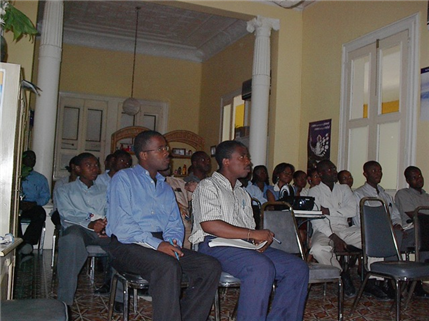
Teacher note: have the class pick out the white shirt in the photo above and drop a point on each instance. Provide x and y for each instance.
(367, 190)
(341, 203)
(255, 192)
(215, 199)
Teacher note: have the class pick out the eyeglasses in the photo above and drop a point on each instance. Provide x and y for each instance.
(159, 149)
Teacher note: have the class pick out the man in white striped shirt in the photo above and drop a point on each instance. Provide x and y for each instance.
(223, 209)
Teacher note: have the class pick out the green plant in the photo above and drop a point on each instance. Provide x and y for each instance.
(12, 19)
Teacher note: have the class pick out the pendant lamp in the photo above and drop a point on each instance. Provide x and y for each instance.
(131, 106)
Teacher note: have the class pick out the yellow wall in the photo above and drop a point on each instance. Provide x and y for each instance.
(101, 72)
(326, 27)
(222, 75)
(22, 52)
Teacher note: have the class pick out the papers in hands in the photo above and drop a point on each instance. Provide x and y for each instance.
(219, 241)
(146, 245)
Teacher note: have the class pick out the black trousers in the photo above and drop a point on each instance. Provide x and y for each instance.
(164, 274)
(37, 216)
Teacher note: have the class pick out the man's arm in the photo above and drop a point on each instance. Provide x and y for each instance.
(44, 193)
(404, 204)
(228, 231)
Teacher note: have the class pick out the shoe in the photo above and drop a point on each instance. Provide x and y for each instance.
(373, 288)
(118, 307)
(26, 249)
(349, 288)
(103, 290)
(389, 290)
(420, 292)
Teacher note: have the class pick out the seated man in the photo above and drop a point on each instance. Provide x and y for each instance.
(82, 207)
(120, 159)
(333, 234)
(147, 231)
(373, 173)
(200, 168)
(345, 177)
(223, 209)
(407, 200)
(36, 194)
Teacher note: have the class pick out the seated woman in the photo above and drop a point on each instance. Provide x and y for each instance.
(313, 177)
(261, 179)
(282, 176)
(299, 183)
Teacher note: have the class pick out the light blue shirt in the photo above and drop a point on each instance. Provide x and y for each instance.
(76, 202)
(36, 188)
(104, 178)
(255, 192)
(137, 206)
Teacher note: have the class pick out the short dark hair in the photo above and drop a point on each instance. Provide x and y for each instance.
(280, 168)
(197, 155)
(258, 167)
(311, 171)
(81, 157)
(409, 169)
(71, 162)
(299, 172)
(341, 173)
(369, 164)
(323, 165)
(120, 152)
(140, 142)
(225, 150)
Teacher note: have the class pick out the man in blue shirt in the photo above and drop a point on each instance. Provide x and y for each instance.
(82, 207)
(36, 194)
(147, 232)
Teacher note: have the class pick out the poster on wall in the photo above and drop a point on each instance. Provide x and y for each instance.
(424, 94)
(319, 142)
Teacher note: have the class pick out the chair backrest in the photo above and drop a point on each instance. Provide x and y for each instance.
(421, 228)
(283, 225)
(378, 239)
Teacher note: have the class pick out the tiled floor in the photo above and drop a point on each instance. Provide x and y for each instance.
(34, 280)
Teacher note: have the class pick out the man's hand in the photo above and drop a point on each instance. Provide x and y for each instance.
(259, 236)
(339, 244)
(325, 210)
(191, 186)
(99, 226)
(167, 248)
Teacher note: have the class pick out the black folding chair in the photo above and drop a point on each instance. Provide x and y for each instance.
(283, 224)
(379, 241)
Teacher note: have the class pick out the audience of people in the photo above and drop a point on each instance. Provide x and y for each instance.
(141, 217)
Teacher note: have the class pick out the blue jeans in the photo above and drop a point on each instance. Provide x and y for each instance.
(257, 273)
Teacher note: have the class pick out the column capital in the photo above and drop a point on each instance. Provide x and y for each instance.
(263, 25)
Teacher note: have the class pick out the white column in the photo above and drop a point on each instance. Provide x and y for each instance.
(45, 115)
(260, 87)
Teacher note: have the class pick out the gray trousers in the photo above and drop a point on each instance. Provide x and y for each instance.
(72, 255)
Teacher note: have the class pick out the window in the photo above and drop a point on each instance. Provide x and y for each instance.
(234, 117)
(378, 105)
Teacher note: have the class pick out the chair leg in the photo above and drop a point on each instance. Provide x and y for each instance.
(398, 301)
(54, 245)
(42, 240)
(340, 299)
(135, 300)
(113, 286)
(358, 296)
(217, 305)
(92, 270)
(410, 293)
(126, 303)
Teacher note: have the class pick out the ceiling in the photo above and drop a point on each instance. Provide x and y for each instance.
(163, 30)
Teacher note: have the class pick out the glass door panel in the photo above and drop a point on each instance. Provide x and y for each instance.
(390, 79)
(388, 153)
(358, 153)
(359, 96)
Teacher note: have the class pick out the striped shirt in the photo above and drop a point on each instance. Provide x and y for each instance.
(215, 199)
